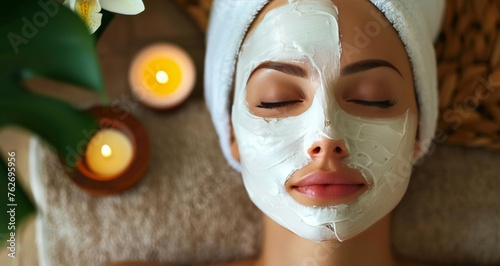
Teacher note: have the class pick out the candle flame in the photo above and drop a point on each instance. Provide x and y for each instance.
(162, 77)
(106, 151)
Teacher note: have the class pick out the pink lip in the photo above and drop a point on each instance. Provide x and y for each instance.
(329, 186)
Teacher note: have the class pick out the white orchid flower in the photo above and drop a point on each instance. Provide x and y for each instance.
(89, 10)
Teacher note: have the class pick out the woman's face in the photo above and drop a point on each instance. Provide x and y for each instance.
(324, 115)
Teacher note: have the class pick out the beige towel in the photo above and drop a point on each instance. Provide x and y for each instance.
(191, 206)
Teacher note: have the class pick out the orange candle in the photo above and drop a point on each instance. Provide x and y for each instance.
(162, 76)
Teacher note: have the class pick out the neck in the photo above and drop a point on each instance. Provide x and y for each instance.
(282, 247)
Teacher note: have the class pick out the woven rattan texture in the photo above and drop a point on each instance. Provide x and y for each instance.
(468, 54)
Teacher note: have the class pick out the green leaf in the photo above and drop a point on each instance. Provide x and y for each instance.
(49, 40)
(12, 215)
(60, 124)
(44, 38)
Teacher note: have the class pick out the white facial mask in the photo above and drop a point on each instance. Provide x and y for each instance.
(271, 150)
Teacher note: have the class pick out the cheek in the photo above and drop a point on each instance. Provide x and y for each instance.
(383, 150)
(275, 146)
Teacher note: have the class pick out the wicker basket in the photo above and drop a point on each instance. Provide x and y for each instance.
(468, 53)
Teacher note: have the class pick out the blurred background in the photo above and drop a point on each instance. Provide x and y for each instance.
(450, 213)
(162, 21)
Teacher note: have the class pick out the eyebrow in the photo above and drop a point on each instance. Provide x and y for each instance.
(365, 65)
(284, 67)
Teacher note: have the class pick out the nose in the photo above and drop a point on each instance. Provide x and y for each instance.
(328, 149)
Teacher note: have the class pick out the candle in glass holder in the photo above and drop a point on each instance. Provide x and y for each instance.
(109, 153)
(162, 76)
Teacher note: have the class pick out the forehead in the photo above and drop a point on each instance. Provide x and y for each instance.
(365, 33)
(305, 29)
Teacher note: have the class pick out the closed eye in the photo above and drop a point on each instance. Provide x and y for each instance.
(379, 104)
(274, 105)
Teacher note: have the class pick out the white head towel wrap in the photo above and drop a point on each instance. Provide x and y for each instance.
(417, 23)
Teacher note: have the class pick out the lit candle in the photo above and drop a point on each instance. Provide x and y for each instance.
(109, 153)
(162, 76)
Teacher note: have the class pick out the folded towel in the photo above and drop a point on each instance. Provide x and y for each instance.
(191, 207)
(417, 23)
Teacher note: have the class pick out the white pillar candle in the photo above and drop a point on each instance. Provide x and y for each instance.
(109, 153)
(162, 76)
